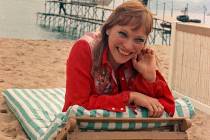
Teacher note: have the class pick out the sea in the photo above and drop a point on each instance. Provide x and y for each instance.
(18, 17)
(18, 20)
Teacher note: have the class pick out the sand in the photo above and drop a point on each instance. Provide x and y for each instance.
(41, 64)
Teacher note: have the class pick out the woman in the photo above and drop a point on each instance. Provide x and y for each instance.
(114, 69)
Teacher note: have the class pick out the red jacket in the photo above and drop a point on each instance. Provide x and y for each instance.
(85, 90)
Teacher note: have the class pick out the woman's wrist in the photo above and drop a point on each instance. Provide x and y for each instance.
(150, 75)
(132, 97)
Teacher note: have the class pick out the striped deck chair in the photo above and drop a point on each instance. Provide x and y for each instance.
(39, 113)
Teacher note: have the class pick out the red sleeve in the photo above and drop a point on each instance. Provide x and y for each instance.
(80, 85)
(158, 89)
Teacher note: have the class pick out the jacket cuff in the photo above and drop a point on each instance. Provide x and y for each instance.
(123, 101)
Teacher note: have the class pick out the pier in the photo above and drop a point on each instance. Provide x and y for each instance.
(79, 16)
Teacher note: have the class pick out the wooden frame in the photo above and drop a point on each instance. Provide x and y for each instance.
(176, 131)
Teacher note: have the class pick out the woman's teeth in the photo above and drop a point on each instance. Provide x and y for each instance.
(123, 52)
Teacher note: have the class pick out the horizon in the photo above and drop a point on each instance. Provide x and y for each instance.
(197, 9)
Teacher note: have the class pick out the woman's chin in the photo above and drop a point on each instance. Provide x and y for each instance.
(120, 62)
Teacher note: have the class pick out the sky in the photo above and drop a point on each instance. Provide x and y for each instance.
(193, 5)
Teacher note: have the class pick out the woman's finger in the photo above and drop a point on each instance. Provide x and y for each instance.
(151, 110)
(147, 50)
(134, 60)
(143, 51)
(156, 110)
(151, 51)
(160, 111)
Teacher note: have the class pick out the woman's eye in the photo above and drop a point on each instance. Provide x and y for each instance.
(122, 34)
(140, 40)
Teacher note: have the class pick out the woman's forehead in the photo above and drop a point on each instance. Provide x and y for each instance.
(133, 22)
(131, 28)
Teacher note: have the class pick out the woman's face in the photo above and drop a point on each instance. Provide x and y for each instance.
(124, 43)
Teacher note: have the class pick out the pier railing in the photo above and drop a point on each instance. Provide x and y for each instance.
(80, 17)
(190, 66)
(161, 33)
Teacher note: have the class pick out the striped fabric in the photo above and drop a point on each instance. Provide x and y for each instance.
(39, 112)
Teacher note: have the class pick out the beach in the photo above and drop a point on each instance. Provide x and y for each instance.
(41, 64)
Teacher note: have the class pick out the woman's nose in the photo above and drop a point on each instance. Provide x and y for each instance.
(128, 44)
(131, 46)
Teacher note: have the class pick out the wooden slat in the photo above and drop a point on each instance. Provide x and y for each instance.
(182, 122)
(128, 136)
(110, 119)
(70, 126)
(194, 28)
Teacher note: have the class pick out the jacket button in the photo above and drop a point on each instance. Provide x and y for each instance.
(113, 108)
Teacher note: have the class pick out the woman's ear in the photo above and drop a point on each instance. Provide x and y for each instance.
(107, 32)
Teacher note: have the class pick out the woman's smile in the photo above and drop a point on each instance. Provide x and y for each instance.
(123, 51)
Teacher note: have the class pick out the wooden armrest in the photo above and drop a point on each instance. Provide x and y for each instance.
(69, 126)
(112, 119)
(182, 123)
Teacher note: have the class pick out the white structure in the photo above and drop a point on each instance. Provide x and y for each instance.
(189, 73)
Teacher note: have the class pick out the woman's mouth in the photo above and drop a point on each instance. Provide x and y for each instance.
(123, 51)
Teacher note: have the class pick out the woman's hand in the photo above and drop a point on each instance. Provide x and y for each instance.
(153, 105)
(145, 64)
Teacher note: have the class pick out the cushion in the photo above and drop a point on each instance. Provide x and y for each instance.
(39, 112)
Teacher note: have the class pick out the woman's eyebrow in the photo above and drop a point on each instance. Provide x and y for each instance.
(124, 30)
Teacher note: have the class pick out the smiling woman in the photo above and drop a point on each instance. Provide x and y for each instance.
(114, 68)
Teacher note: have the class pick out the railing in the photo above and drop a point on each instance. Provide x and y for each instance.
(161, 33)
(84, 17)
